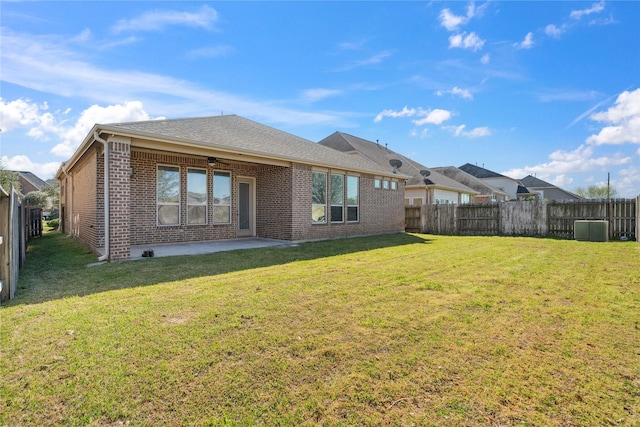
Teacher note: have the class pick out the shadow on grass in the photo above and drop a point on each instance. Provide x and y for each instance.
(57, 266)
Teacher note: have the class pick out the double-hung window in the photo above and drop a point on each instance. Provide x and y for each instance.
(337, 198)
(168, 195)
(196, 196)
(221, 197)
(353, 198)
(319, 197)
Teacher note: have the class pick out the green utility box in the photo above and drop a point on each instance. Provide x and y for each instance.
(591, 231)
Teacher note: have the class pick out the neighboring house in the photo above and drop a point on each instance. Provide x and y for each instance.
(431, 188)
(29, 182)
(210, 178)
(486, 193)
(546, 190)
(512, 187)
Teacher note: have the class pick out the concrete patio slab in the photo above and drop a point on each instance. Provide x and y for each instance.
(205, 247)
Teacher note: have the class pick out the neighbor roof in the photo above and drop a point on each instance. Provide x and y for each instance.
(532, 181)
(382, 155)
(32, 178)
(479, 172)
(468, 180)
(238, 135)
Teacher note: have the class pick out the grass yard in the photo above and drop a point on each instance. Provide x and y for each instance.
(390, 330)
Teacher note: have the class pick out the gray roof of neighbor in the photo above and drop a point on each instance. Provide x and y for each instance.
(241, 135)
(468, 180)
(381, 155)
(33, 179)
(479, 172)
(532, 181)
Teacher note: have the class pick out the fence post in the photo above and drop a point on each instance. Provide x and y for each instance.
(638, 218)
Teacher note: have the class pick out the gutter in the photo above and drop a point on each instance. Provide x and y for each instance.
(105, 144)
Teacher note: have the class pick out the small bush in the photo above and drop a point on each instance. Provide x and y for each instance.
(54, 223)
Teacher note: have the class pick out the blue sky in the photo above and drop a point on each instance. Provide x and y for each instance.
(544, 88)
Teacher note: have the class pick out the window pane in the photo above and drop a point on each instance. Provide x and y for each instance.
(197, 214)
(168, 214)
(318, 213)
(221, 188)
(337, 189)
(394, 185)
(376, 183)
(352, 190)
(168, 184)
(196, 187)
(319, 188)
(352, 213)
(336, 214)
(222, 214)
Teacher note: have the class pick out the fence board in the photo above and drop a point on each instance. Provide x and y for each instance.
(527, 218)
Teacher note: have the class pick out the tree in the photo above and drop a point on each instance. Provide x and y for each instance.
(36, 198)
(8, 178)
(596, 192)
(53, 195)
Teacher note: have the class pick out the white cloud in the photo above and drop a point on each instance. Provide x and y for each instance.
(451, 21)
(372, 60)
(565, 162)
(526, 43)
(20, 113)
(73, 136)
(405, 112)
(474, 133)
(486, 58)
(553, 31)
(157, 20)
(464, 41)
(462, 93)
(624, 121)
(48, 64)
(313, 95)
(435, 117)
(628, 182)
(595, 8)
(23, 163)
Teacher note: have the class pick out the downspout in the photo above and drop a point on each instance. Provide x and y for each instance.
(105, 144)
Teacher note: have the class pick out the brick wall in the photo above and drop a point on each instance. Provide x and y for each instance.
(273, 202)
(143, 225)
(380, 211)
(119, 199)
(80, 199)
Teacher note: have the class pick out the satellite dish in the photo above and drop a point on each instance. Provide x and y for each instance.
(395, 163)
(425, 173)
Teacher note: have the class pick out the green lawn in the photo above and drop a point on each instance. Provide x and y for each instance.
(389, 330)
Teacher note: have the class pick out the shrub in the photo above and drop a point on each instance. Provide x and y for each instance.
(54, 223)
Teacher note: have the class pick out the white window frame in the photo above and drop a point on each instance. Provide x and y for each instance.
(342, 203)
(385, 184)
(394, 184)
(206, 195)
(318, 205)
(377, 182)
(215, 205)
(159, 204)
(357, 205)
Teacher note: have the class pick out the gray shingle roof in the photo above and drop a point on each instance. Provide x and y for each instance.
(241, 135)
(32, 178)
(381, 155)
(532, 181)
(479, 172)
(468, 180)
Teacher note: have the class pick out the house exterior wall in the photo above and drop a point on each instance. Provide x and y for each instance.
(379, 210)
(444, 196)
(274, 202)
(26, 186)
(507, 185)
(416, 193)
(144, 227)
(80, 195)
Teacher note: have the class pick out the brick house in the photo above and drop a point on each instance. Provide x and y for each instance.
(211, 178)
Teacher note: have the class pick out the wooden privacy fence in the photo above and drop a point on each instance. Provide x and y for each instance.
(525, 218)
(13, 241)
